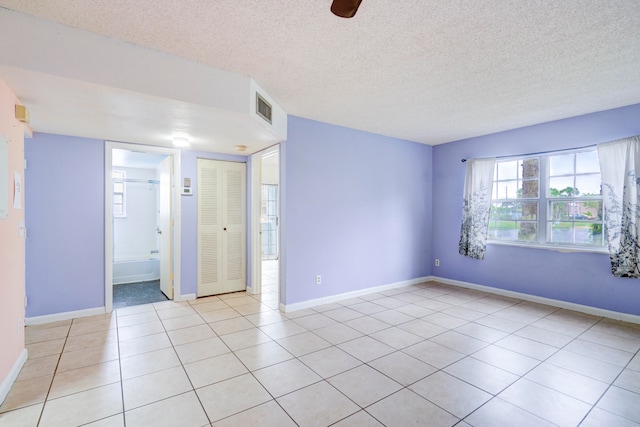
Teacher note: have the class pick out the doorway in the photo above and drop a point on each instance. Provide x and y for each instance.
(140, 225)
(266, 223)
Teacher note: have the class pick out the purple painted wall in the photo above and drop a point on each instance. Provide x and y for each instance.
(64, 215)
(189, 241)
(357, 210)
(582, 278)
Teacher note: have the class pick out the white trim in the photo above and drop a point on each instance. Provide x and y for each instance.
(255, 278)
(616, 315)
(11, 377)
(39, 320)
(108, 215)
(185, 297)
(286, 308)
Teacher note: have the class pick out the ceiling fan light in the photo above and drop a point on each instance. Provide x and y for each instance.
(345, 8)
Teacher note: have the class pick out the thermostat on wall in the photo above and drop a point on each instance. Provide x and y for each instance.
(187, 191)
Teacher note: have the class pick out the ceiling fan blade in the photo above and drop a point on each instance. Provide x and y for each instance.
(345, 8)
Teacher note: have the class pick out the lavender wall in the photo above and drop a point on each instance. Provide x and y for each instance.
(64, 208)
(357, 210)
(582, 278)
(189, 241)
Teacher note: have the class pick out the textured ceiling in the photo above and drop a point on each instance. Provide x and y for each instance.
(427, 71)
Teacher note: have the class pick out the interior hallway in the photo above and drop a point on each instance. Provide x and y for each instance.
(426, 354)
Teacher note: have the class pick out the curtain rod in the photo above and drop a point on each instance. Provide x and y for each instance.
(541, 152)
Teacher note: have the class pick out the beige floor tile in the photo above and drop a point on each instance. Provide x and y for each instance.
(528, 347)
(45, 348)
(364, 385)
(634, 364)
(367, 307)
(317, 405)
(191, 334)
(134, 309)
(451, 394)
(570, 383)
(330, 361)
(392, 317)
(505, 325)
(286, 377)
(282, 329)
(402, 367)
(263, 355)
(149, 388)
(253, 308)
(230, 326)
(599, 417)
(211, 305)
(79, 327)
(147, 363)
(482, 375)
(621, 402)
(144, 344)
(398, 300)
(112, 421)
(414, 310)
(396, 337)
(599, 352)
(214, 369)
(481, 332)
(232, 396)
(82, 379)
(497, 412)
(84, 407)
(136, 331)
(38, 367)
(168, 305)
(359, 419)
(434, 305)
(137, 319)
(422, 329)
(202, 349)
(405, 408)
(433, 354)
(315, 321)
(299, 313)
(220, 314)
(183, 410)
(459, 342)
(176, 312)
(629, 380)
(606, 338)
(26, 393)
(34, 334)
(366, 348)
(244, 339)
(88, 356)
(93, 339)
(182, 322)
(337, 334)
(584, 365)
(266, 414)
(464, 312)
(23, 417)
(238, 301)
(342, 314)
(304, 343)
(445, 320)
(546, 403)
(267, 317)
(508, 360)
(546, 337)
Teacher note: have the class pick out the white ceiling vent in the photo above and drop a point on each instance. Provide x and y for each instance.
(263, 108)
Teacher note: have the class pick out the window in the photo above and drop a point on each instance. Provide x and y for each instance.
(548, 200)
(119, 194)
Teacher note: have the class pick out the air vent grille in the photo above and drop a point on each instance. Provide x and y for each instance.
(263, 108)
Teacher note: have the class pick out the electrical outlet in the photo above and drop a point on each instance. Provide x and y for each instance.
(318, 279)
(437, 262)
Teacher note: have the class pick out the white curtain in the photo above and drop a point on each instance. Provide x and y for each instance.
(619, 161)
(478, 185)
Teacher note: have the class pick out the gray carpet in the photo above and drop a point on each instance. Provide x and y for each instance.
(137, 293)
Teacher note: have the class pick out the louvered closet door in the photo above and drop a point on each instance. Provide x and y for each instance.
(234, 229)
(221, 227)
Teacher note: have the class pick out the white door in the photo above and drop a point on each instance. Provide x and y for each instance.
(221, 227)
(166, 227)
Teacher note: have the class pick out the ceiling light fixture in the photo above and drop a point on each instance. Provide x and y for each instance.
(345, 8)
(241, 147)
(181, 141)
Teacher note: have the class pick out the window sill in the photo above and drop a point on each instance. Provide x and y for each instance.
(556, 248)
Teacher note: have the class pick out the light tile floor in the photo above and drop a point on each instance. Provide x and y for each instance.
(428, 354)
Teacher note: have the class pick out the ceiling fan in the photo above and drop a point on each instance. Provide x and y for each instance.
(345, 8)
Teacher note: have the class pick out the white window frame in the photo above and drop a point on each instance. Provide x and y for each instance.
(114, 179)
(544, 206)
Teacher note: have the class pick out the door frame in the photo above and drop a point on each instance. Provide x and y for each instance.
(109, 146)
(256, 227)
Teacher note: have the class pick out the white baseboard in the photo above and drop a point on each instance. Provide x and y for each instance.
(6, 384)
(286, 308)
(38, 320)
(625, 317)
(185, 297)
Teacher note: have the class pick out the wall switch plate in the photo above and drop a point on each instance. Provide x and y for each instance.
(318, 279)
(437, 262)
